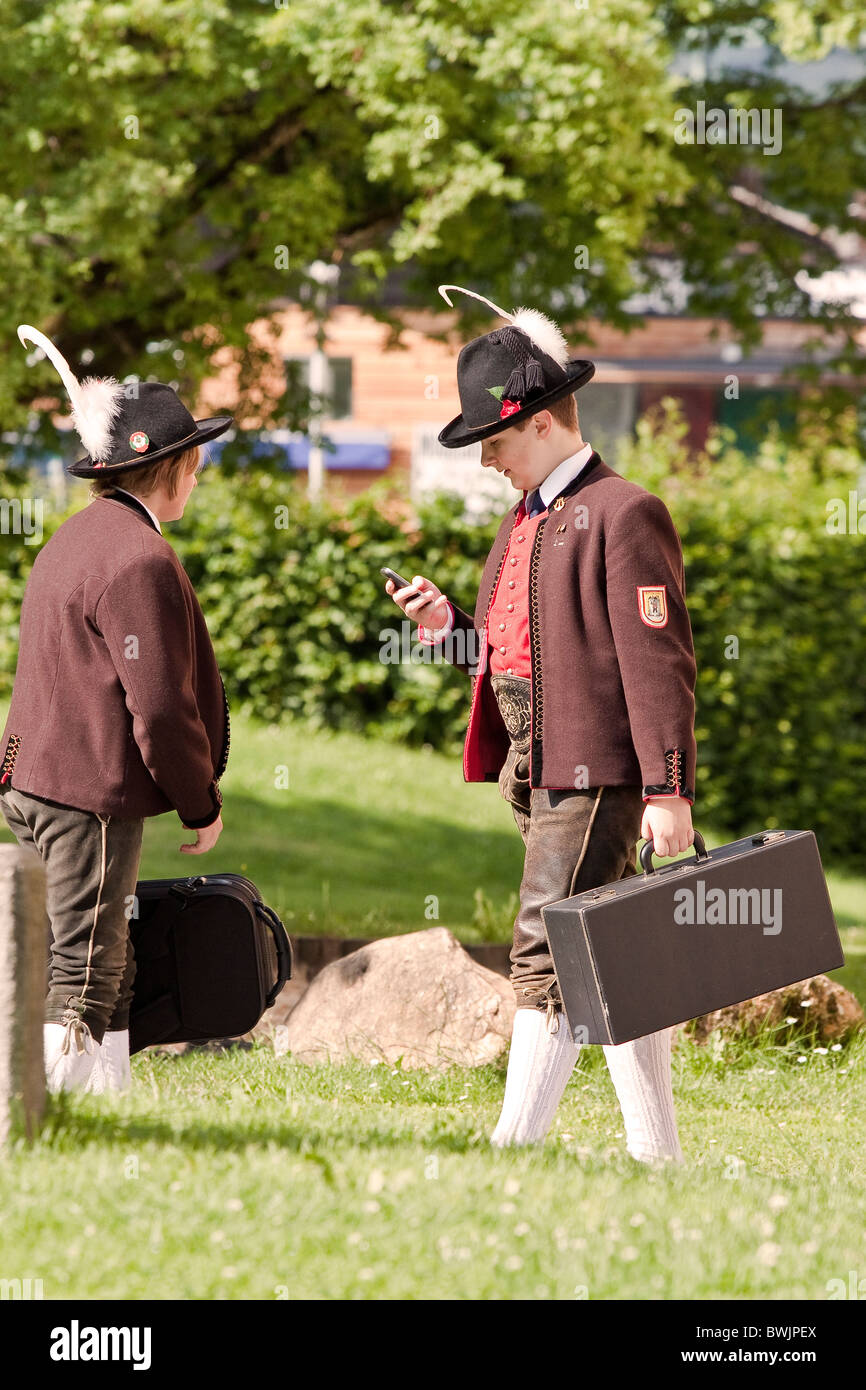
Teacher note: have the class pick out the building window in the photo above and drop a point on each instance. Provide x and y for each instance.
(338, 389)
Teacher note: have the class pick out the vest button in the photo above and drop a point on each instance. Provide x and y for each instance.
(521, 538)
(510, 607)
(508, 671)
(511, 583)
(514, 560)
(501, 627)
(502, 649)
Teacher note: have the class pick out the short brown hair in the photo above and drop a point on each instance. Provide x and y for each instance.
(564, 412)
(143, 480)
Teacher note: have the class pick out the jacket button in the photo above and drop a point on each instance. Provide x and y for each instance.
(511, 583)
(513, 561)
(501, 627)
(502, 649)
(510, 607)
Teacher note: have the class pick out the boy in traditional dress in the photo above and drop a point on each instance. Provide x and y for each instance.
(583, 694)
(118, 709)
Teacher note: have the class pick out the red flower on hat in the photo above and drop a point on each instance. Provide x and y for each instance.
(509, 408)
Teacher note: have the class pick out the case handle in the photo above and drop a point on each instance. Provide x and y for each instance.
(646, 854)
(283, 947)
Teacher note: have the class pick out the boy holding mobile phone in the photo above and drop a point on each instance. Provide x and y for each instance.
(583, 703)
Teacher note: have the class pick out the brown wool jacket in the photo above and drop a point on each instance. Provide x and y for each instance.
(612, 659)
(118, 705)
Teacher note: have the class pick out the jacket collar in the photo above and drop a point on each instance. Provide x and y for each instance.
(574, 484)
(134, 505)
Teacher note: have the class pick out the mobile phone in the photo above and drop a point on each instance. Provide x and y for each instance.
(399, 582)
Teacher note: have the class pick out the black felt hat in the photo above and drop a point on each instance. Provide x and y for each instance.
(125, 426)
(505, 376)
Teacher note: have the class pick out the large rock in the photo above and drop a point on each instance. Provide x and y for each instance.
(819, 1008)
(22, 990)
(419, 997)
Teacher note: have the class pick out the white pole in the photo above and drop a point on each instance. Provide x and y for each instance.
(325, 277)
(318, 386)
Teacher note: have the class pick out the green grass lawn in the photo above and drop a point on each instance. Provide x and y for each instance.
(244, 1175)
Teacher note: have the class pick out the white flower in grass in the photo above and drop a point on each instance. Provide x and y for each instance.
(777, 1201)
(514, 1262)
(629, 1252)
(522, 1228)
(801, 1057)
(768, 1253)
(792, 1020)
(822, 1050)
(376, 1180)
(836, 1047)
(511, 1187)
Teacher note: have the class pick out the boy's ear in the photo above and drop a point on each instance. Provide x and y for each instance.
(542, 421)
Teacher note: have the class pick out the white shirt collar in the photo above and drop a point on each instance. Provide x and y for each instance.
(144, 504)
(563, 474)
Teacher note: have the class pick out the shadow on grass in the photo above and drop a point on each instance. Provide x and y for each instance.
(310, 1142)
(73, 1127)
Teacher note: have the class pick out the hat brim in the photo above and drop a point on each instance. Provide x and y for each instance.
(457, 434)
(206, 429)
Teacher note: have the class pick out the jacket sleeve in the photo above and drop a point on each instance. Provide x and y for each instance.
(457, 640)
(645, 579)
(145, 621)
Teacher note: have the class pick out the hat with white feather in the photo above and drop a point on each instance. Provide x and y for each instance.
(505, 376)
(124, 426)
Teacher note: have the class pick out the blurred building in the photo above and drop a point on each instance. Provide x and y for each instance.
(387, 404)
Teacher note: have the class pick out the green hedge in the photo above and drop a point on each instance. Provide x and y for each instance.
(299, 617)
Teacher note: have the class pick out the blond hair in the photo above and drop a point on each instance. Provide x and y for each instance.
(143, 479)
(564, 412)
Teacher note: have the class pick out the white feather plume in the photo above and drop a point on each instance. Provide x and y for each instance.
(443, 290)
(546, 334)
(96, 401)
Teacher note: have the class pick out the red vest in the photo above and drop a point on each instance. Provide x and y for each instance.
(508, 619)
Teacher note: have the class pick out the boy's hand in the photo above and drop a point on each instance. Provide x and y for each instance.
(667, 821)
(205, 838)
(421, 601)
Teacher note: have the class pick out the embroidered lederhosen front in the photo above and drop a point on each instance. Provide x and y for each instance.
(512, 696)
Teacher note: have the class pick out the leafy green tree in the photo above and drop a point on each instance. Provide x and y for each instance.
(169, 168)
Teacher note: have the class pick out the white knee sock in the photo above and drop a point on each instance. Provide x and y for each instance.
(641, 1074)
(539, 1065)
(115, 1059)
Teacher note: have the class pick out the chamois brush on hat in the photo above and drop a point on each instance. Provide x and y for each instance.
(125, 425)
(511, 373)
